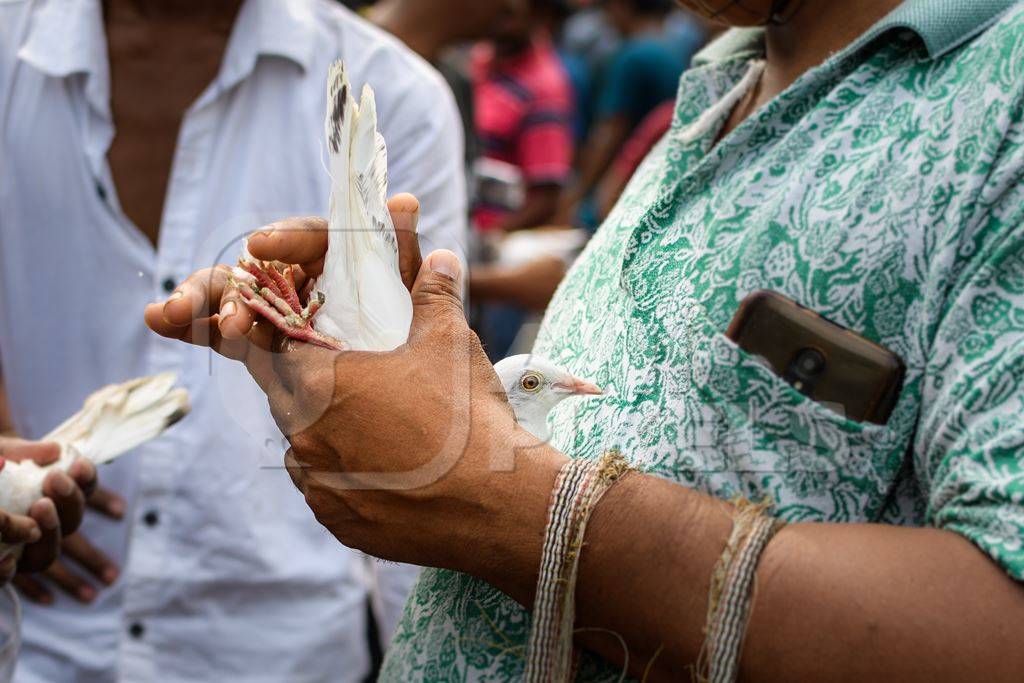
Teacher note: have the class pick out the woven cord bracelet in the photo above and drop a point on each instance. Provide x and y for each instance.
(579, 487)
(731, 591)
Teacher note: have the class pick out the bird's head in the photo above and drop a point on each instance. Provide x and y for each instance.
(534, 385)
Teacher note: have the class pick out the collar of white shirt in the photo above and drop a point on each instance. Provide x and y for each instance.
(68, 37)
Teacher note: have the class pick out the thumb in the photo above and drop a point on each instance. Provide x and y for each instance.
(437, 294)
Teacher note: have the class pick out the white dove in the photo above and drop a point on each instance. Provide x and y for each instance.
(359, 301)
(112, 421)
(534, 385)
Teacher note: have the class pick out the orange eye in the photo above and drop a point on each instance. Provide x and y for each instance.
(531, 381)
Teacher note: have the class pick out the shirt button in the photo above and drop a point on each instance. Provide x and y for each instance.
(101, 192)
(169, 285)
(151, 518)
(136, 630)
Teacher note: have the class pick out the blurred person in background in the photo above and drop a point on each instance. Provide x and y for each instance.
(139, 140)
(641, 75)
(523, 102)
(432, 28)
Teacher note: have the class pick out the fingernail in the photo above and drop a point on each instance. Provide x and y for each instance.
(63, 486)
(175, 296)
(109, 575)
(86, 593)
(35, 534)
(50, 519)
(116, 508)
(228, 310)
(446, 263)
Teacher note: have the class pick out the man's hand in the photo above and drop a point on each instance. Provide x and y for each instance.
(75, 548)
(58, 512)
(407, 455)
(204, 310)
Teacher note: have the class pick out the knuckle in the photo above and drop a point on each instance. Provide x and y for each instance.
(438, 290)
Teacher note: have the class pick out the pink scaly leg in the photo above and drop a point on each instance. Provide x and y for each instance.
(273, 295)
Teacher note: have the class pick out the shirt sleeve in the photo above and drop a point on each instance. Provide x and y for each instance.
(970, 445)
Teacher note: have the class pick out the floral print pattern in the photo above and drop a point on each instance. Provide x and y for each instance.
(883, 190)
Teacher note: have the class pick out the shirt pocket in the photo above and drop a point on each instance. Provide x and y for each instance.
(793, 447)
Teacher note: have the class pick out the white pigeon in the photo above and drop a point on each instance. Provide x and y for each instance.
(359, 301)
(112, 421)
(535, 385)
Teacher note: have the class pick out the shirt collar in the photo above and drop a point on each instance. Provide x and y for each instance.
(942, 25)
(277, 28)
(68, 37)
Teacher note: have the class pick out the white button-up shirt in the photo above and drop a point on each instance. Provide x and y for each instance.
(226, 574)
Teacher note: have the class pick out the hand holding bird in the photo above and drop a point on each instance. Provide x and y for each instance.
(399, 451)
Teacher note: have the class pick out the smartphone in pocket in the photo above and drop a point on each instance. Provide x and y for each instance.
(826, 362)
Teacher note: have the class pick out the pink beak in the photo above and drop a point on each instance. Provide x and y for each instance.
(579, 387)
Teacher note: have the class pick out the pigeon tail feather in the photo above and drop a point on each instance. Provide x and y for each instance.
(366, 304)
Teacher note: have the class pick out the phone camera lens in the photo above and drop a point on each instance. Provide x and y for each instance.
(810, 362)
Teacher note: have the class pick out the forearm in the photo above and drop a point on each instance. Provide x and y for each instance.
(538, 208)
(598, 153)
(832, 602)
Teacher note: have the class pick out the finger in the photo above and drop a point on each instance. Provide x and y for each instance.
(259, 361)
(41, 554)
(295, 470)
(197, 297)
(71, 583)
(437, 294)
(79, 549)
(18, 529)
(39, 452)
(68, 498)
(8, 567)
(33, 590)
(202, 332)
(235, 319)
(107, 502)
(301, 241)
(405, 214)
(84, 474)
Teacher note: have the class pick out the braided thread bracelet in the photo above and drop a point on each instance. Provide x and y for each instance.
(579, 487)
(731, 591)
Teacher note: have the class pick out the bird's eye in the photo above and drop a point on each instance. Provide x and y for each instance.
(531, 381)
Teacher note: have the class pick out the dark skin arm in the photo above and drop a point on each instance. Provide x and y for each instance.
(596, 155)
(530, 285)
(538, 208)
(826, 594)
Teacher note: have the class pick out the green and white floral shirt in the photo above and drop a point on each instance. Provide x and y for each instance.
(885, 190)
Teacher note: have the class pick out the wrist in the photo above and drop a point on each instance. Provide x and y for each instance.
(510, 549)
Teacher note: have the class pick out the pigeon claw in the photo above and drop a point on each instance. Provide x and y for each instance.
(272, 294)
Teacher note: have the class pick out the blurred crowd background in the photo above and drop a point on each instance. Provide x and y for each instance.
(560, 101)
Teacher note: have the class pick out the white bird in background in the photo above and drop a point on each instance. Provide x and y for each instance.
(359, 301)
(112, 421)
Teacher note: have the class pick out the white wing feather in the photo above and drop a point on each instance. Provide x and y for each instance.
(112, 421)
(366, 305)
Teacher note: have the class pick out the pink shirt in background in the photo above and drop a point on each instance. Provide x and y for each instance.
(523, 114)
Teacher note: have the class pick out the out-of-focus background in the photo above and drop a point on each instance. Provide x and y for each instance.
(561, 100)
